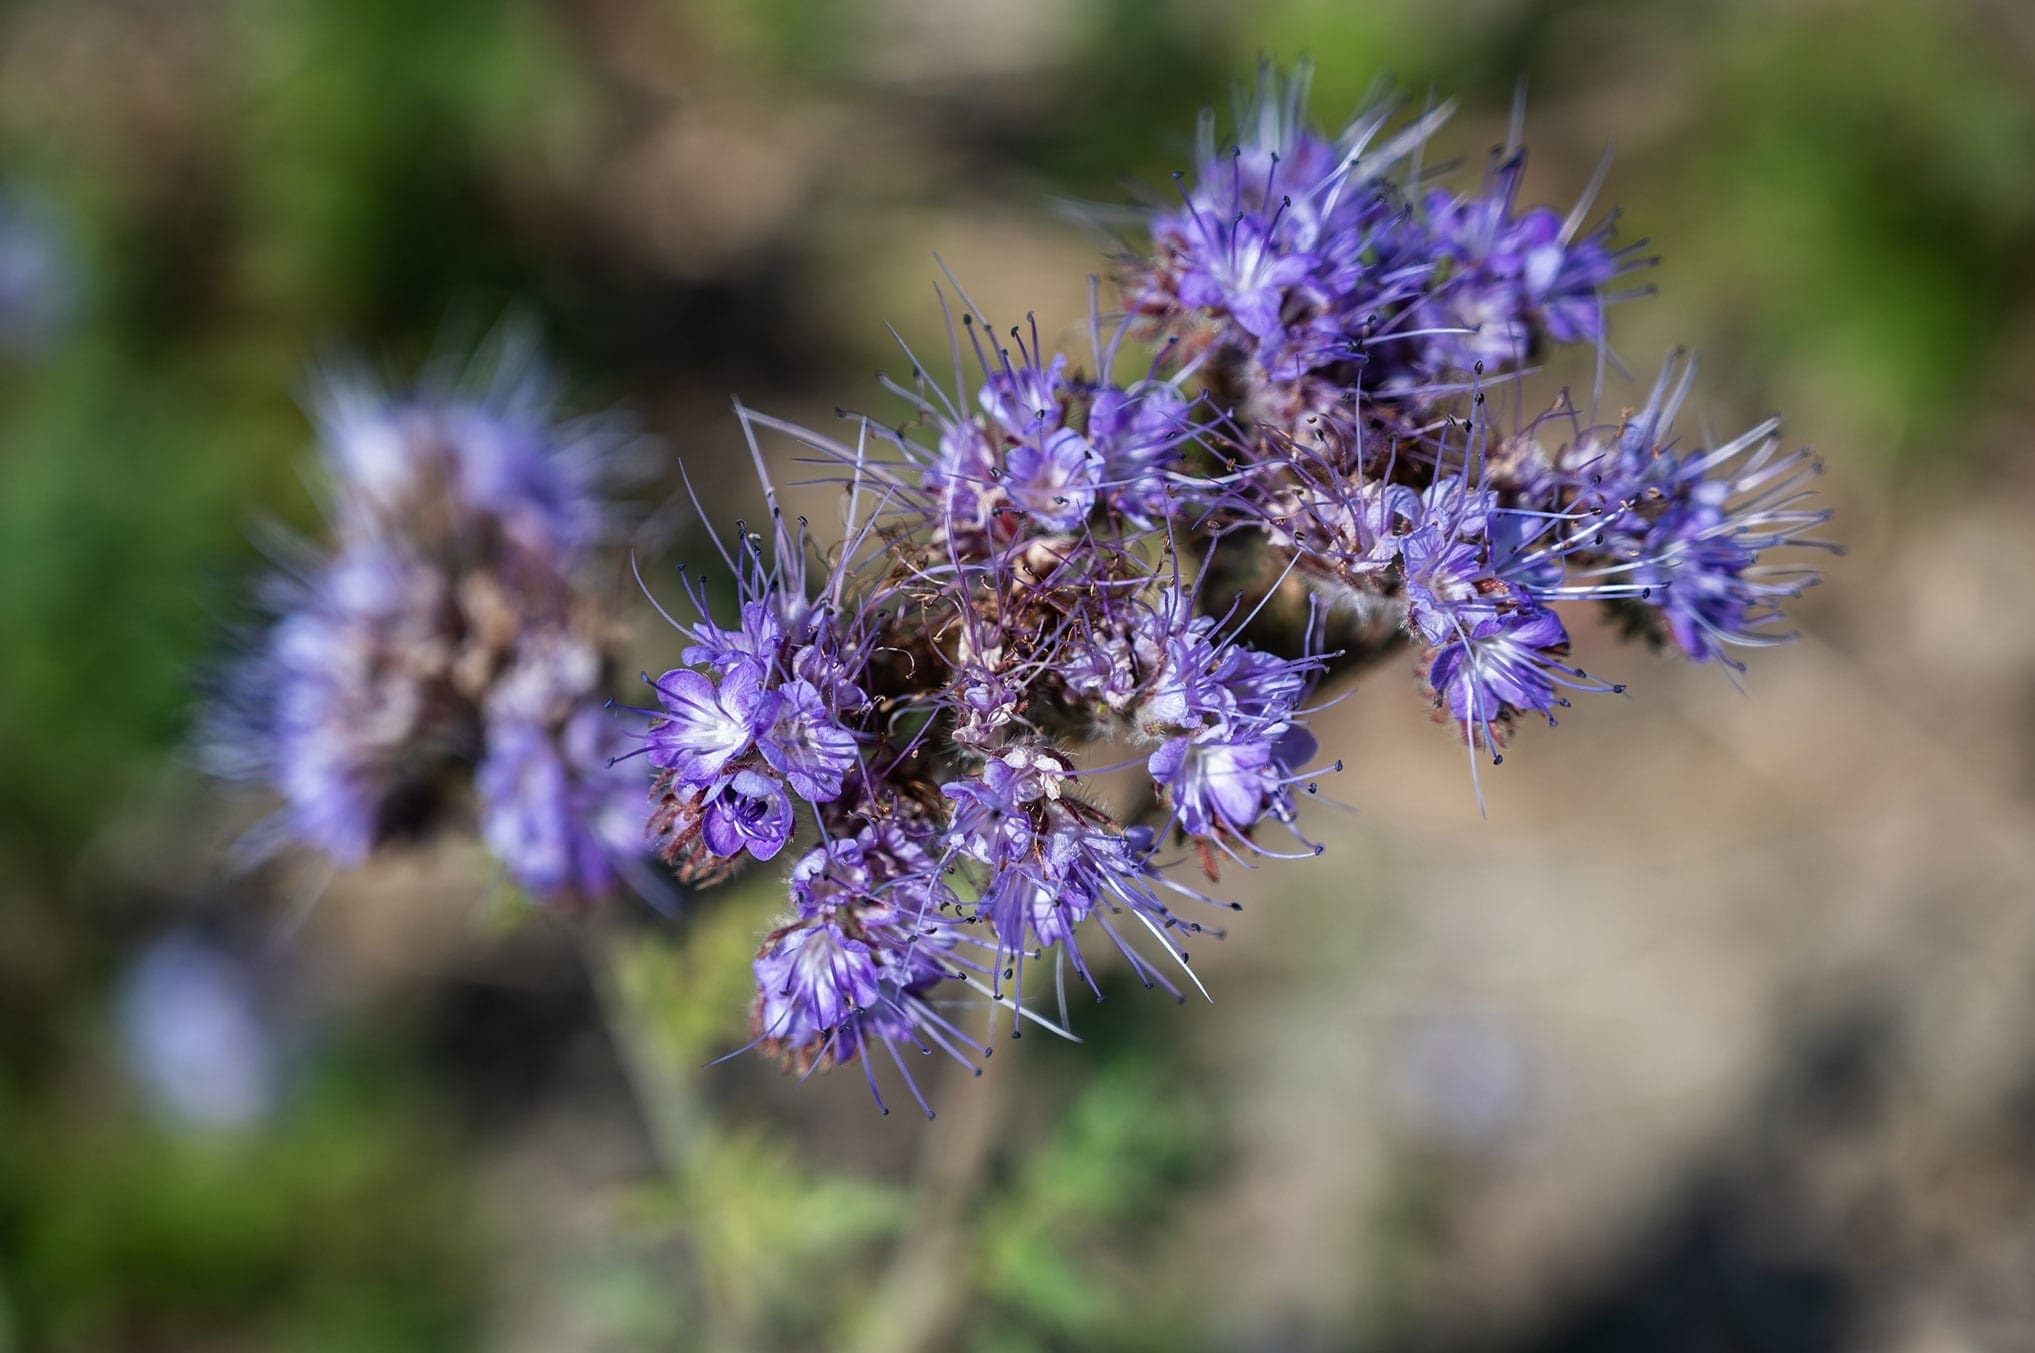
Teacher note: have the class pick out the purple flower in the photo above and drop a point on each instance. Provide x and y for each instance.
(1010, 820)
(1226, 712)
(832, 674)
(705, 726)
(962, 478)
(1216, 784)
(1046, 451)
(756, 641)
(338, 709)
(1242, 269)
(746, 811)
(1508, 662)
(1264, 689)
(1457, 507)
(1448, 581)
(481, 455)
(1512, 279)
(887, 872)
(871, 936)
(1285, 252)
(1700, 579)
(986, 705)
(445, 639)
(1345, 530)
(1184, 688)
(1054, 477)
(802, 741)
(774, 710)
(1140, 433)
(1026, 400)
(992, 811)
(1044, 862)
(811, 978)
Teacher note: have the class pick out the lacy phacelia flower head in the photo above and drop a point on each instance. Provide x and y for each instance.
(1042, 560)
(1274, 241)
(1227, 716)
(446, 649)
(912, 695)
(1286, 253)
(1300, 267)
(1043, 861)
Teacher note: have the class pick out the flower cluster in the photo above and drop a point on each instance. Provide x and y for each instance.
(731, 748)
(445, 646)
(1351, 380)
(1687, 526)
(1007, 592)
(870, 938)
(1300, 266)
(1047, 449)
(1038, 560)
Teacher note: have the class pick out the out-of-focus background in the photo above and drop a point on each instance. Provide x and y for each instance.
(1718, 1033)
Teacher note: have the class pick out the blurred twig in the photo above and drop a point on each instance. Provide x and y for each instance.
(665, 1090)
(913, 1304)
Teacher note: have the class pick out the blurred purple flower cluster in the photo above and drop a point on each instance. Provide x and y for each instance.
(442, 654)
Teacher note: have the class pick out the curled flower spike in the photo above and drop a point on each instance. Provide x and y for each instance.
(1687, 528)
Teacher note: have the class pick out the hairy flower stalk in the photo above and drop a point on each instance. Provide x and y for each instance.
(443, 656)
(1037, 560)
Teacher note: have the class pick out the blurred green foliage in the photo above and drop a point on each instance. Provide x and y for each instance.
(1052, 1239)
(778, 1247)
(1065, 1243)
(1864, 227)
(378, 145)
(340, 1226)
